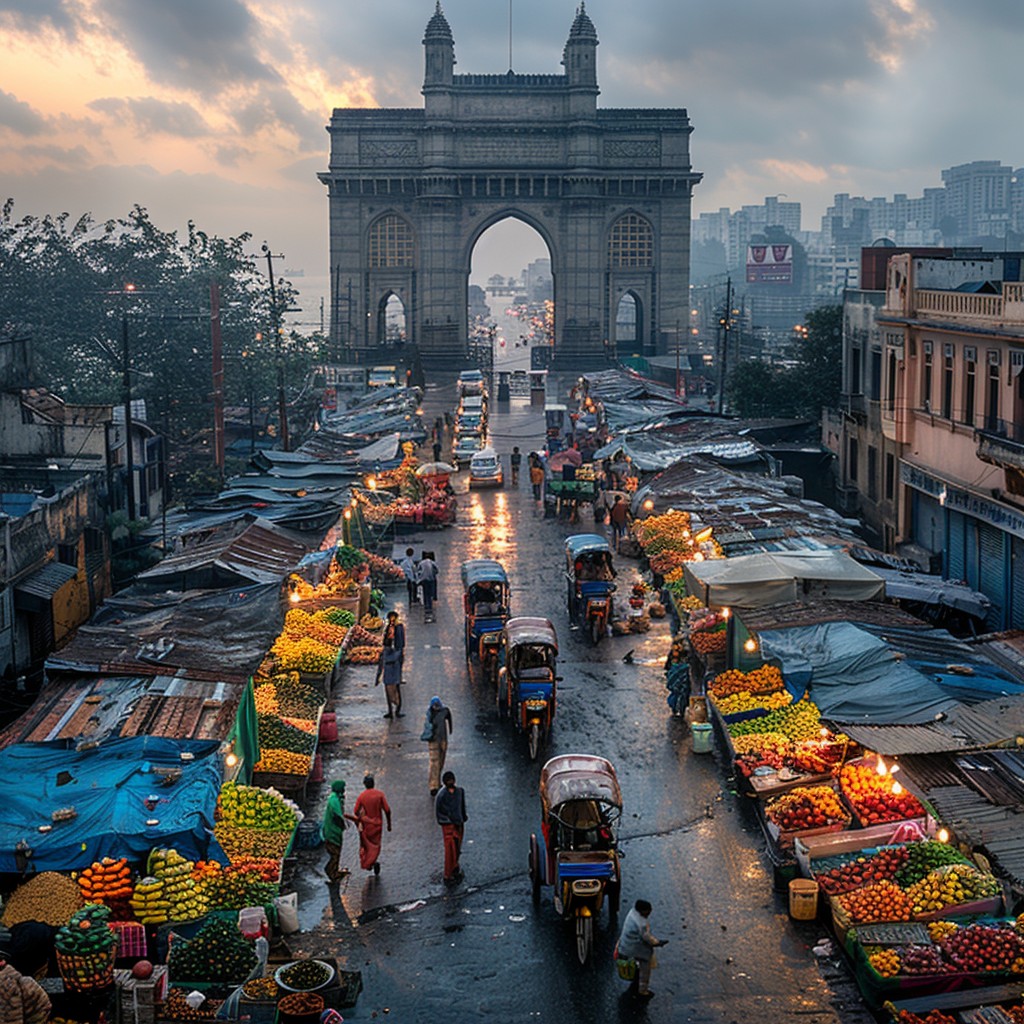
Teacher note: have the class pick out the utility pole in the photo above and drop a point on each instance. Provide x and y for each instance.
(726, 323)
(218, 381)
(275, 326)
(126, 395)
(677, 358)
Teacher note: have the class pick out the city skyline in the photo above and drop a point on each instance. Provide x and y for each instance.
(216, 112)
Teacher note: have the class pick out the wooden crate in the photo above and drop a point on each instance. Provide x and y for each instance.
(138, 999)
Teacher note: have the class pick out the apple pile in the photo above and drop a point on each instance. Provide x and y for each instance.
(877, 798)
(983, 948)
(807, 807)
(882, 901)
(933, 1017)
(855, 874)
(922, 960)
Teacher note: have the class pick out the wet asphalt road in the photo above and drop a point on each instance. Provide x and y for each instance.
(483, 950)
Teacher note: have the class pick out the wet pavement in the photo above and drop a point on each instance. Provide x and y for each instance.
(483, 950)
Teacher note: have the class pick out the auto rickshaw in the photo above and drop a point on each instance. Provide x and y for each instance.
(576, 851)
(527, 682)
(589, 574)
(485, 599)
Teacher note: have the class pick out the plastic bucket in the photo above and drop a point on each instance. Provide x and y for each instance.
(328, 727)
(701, 732)
(803, 899)
(318, 769)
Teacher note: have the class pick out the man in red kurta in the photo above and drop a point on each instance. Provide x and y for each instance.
(370, 812)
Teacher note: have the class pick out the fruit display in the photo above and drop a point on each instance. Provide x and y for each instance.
(340, 616)
(918, 960)
(47, 897)
(983, 948)
(807, 807)
(951, 886)
(707, 621)
(689, 603)
(260, 988)
(798, 721)
(885, 962)
(744, 701)
(304, 654)
(305, 975)
(217, 953)
(283, 762)
(881, 866)
(923, 858)
(364, 655)
(177, 1007)
(764, 748)
(359, 636)
(169, 892)
(106, 881)
(939, 930)
(236, 887)
(880, 901)
(668, 542)
(708, 643)
(877, 798)
(372, 623)
(932, 1017)
(762, 680)
(285, 695)
(383, 570)
(86, 947)
(276, 734)
(252, 807)
(301, 1004)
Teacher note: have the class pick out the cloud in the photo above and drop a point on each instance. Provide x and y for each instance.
(38, 15)
(151, 116)
(203, 46)
(19, 116)
(275, 107)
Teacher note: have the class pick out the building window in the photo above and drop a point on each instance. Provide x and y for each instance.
(390, 243)
(855, 381)
(890, 383)
(890, 476)
(876, 374)
(992, 398)
(872, 472)
(970, 383)
(67, 554)
(631, 243)
(947, 384)
(926, 378)
(851, 462)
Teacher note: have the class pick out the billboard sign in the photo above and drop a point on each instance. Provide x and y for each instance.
(770, 264)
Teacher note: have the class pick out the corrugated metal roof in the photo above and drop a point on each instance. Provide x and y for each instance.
(897, 740)
(45, 582)
(802, 613)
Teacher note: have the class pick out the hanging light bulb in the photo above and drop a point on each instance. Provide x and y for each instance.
(942, 835)
(880, 767)
(896, 789)
(750, 645)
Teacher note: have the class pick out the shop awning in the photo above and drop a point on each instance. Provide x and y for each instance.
(37, 590)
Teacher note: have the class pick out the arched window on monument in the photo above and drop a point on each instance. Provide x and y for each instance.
(390, 243)
(631, 242)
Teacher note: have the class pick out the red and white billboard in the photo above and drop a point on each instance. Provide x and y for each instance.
(770, 264)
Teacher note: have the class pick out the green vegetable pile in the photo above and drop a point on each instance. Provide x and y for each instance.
(348, 557)
(340, 617)
(217, 953)
(305, 975)
(87, 932)
(278, 735)
(923, 858)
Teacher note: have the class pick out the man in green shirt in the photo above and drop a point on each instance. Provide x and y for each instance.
(333, 829)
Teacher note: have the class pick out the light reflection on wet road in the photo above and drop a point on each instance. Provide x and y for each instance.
(483, 950)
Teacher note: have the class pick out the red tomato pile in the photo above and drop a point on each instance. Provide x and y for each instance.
(871, 796)
(882, 866)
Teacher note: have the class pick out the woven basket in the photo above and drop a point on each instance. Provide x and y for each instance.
(91, 973)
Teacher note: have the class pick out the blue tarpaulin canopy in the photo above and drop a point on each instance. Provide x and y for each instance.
(108, 786)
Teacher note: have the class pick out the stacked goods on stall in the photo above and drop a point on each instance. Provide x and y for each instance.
(383, 571)
(176, 1006)
(252, 882)
(762, 681)
(254, 823)
(806, 809)
(363, 645)
(107, 881)
(86, 949)
(218, 953)
(797, 722)
(49, 897)
(875, 796)
(168, 892)
(668, 542)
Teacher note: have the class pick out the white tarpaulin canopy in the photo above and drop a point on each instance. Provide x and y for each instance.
(778, 577)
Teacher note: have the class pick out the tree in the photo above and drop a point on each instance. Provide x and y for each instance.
(755, 390)
(819, 356)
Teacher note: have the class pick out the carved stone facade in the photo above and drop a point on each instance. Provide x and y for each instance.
(410, 191)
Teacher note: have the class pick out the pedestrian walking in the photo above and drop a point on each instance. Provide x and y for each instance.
(389, 670)
(408, 567)
(515, 460)
(426, 575)
(436, 728)
(450, 811)
(619, 516)
(437, 450)
(637, 943)
(536, 478)
(370, 812)
(333, 830)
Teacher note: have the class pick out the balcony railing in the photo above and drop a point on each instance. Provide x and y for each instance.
(1007, 307)
(1000, 430)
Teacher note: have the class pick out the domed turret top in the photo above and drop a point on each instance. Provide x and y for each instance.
(582, 26)
(438, 27)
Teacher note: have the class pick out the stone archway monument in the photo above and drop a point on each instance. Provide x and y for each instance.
(411, 190)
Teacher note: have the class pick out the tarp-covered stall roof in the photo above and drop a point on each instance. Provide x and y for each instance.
(768, 578)
(108, 787)
(220, 635)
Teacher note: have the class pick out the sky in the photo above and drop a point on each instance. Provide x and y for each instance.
(215, 110)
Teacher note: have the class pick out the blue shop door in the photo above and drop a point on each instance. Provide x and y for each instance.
(1016, 615)
(955, 562)
(992, 564)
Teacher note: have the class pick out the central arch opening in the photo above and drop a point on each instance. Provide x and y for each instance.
(511, 298)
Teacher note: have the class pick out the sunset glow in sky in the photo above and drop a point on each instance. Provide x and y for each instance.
(215, 110)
